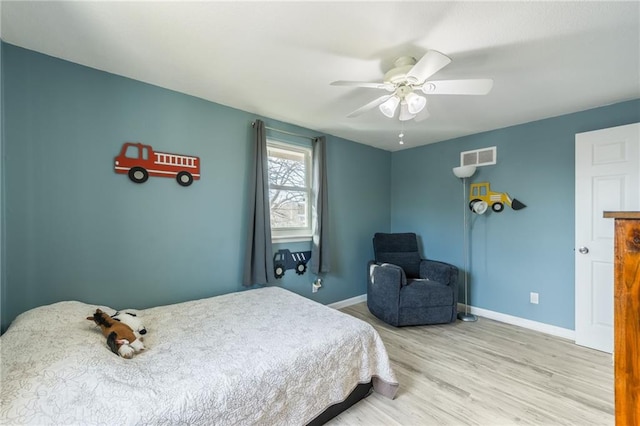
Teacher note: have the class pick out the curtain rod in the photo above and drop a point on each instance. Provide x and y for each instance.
(253, 124)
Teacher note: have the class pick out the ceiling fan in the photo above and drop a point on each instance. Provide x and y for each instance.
(409, 76)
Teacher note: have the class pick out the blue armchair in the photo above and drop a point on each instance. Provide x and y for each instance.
(404, 289)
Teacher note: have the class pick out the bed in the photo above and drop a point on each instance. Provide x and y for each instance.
(265, 356)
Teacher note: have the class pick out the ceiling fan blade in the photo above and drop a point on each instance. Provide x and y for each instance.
(364, 84)
(479, 86)
(374, 103)
(432, 62)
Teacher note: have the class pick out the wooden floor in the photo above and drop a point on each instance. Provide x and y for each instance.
(486, 373)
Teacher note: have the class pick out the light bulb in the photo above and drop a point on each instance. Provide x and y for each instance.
(415, 103)
(388, 107)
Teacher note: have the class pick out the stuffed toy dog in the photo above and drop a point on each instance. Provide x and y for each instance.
(120, 337)
(133, 320)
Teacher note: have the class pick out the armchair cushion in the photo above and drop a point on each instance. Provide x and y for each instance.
(399, 249)
(409, 262)
(425, 293)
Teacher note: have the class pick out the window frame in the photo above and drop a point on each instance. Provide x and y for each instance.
(294, 234)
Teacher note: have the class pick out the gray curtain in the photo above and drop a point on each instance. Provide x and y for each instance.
(258, 265)
(320, 256)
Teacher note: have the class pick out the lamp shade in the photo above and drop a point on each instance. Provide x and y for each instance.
(480, 207)
(388, 108)
(464, 171)
(415, 103)
(404, 112)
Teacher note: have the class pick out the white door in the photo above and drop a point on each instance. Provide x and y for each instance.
(607, 179)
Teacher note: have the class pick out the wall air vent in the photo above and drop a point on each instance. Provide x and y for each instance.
(479, 157)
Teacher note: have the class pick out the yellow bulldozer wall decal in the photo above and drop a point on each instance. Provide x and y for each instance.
(496, 200)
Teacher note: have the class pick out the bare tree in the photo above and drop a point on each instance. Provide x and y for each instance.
(287, 192)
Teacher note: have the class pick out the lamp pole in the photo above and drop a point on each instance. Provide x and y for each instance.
(465, 173)
(466, 316)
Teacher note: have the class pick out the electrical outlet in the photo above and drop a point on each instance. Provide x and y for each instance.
(533, 298)
(316, 285)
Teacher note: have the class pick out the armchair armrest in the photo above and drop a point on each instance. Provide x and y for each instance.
(387, 273)
(383, 290)
(442, 272)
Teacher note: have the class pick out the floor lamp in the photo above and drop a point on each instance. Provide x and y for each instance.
(465, 172)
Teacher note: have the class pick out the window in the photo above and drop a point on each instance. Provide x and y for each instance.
(289, 190)
(135, 151)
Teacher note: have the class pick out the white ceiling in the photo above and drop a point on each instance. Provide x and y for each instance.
(277, 59)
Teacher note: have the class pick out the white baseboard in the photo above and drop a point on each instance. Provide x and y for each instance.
(348, 302)
(553, 330)
(521, 322)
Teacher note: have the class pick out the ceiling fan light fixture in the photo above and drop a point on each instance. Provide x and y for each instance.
(388, 108)
(415, 103)
(405, 115)
(407, 83)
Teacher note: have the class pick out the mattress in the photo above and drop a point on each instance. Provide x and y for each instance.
(265, 356)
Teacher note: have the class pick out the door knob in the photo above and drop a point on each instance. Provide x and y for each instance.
(583, 250)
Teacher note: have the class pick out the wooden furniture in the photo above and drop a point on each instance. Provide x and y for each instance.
(627, 317)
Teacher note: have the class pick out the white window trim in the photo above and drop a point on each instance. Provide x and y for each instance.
(296, 239)
(290, 235)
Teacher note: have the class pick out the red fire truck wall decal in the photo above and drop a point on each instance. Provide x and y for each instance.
(140, 161)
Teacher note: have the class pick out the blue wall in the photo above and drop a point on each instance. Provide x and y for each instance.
(76, 230)
(513, 253)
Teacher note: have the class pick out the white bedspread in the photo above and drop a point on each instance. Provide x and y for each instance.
(265, 356)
